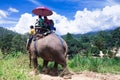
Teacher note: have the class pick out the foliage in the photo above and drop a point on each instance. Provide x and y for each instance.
(92, 44)
(103, 65)
(86, 44)
(14, 65)
(6, 43)
(11, 42)
(73, 44)
(19, 40)
(116, 37)
(99, 40)
(12, 68)
(85, 39)
(17, 68)
(94, 50)
(4, 31)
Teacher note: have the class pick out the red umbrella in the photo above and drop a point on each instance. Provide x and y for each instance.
(43, 11)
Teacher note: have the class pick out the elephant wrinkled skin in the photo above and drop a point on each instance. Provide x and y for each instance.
(49, 48)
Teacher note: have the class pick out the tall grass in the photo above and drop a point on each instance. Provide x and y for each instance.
(103, 65)
(15, 67)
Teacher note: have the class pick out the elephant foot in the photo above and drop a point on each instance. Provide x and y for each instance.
(45, 70)
(67, 76)
(34, 72)
(54, 72)
(65, 72)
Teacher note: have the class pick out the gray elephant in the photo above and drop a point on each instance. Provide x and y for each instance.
(49, 48)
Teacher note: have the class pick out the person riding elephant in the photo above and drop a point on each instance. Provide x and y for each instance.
(52, 28)
(39, 24)
(49, 24)
(46, 23)
(40, 21)
(31, 35)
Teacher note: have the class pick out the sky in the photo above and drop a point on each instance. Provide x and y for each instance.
(73, 16)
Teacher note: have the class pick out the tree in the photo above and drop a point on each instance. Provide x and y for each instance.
(99, 40)
(68, 37)
(116, 37)
(85, 39)
(6, 43)
(94, 50)
(74, 46)
(19, 43)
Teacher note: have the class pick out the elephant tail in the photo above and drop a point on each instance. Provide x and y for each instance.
(66, 50)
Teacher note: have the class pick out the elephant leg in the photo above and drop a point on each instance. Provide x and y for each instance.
(30, 59)
(65, 70)
(66, 74)
(35, 64)
(56, 65)
(45, 68)
(54, 71)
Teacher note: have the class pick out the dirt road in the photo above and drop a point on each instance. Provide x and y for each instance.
(84, 76)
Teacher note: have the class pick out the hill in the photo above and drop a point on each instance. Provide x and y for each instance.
(4, 31)
(91, 33)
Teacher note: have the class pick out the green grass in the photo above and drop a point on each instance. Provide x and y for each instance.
(16, 68)
(102, 65)
(13, 68)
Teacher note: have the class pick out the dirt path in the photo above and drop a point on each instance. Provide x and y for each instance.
(84, 76)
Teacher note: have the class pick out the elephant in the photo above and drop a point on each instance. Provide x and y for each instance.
(49, 48)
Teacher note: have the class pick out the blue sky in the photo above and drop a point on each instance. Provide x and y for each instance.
(63, 7)
(67, 13)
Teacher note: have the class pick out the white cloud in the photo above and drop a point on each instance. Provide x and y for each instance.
(13, 10)
(35, 2)
(84, 21)
(23, 24)
(3, 14)
(5, 20)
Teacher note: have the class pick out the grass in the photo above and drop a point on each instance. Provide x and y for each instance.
(13, 68)
(16, 68)
(102, 65)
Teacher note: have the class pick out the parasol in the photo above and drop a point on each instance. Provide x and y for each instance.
(43, 11)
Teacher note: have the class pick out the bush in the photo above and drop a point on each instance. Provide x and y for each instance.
(81, 63)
